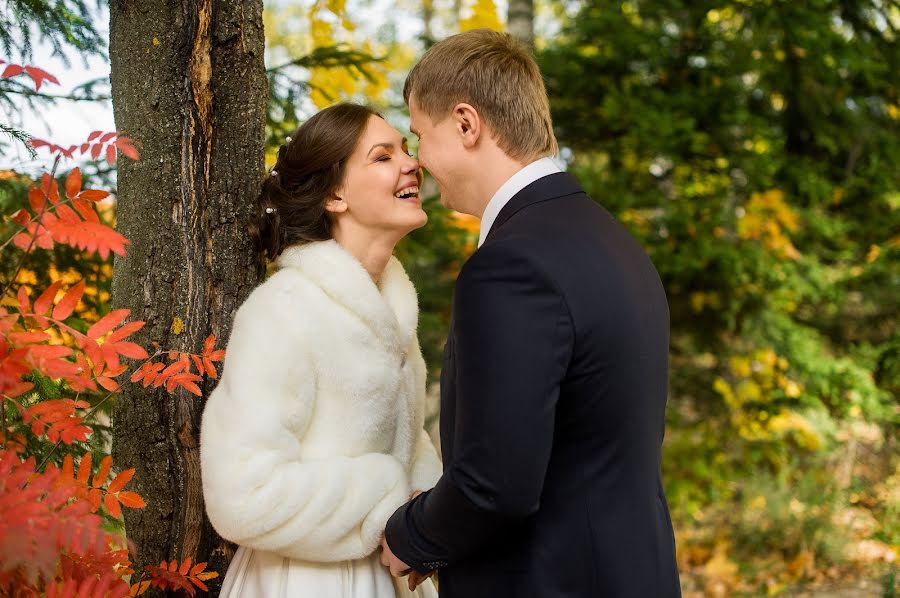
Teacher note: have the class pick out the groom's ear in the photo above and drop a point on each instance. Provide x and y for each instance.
(468, 124)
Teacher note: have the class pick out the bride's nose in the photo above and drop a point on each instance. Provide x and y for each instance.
(410, 165)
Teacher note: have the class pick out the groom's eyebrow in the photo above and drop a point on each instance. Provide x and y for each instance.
(386, 145)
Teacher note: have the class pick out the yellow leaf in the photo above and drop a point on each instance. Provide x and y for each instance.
(177, 325)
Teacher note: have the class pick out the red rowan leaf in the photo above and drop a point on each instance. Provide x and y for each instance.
(87, 236)
(73, 183)
(36, 199)
(95, 150)
(132, 500)
(93, 194)
(173, 566)
(43, 303)
(102, 472)
(22, 338)
(185, 566)
(110, 154)
(24, 302)
(39, 76)
(12, 70)
(85, 209)
(108, 383)
(128, 349)
(38, 143)
(106, 137)
(95, 497)
(67, 304)
(50, 188)
(112, 506)
(21, 216)
(84, 469)
(120, 480)
(84, 147)
(198, 583)
(139, 588)
(125, 331)
(125, 146)
(107, 323)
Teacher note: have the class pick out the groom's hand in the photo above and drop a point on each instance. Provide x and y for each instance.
(389, 559)
(415, 578)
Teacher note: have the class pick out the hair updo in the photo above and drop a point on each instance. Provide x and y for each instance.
(310, 166)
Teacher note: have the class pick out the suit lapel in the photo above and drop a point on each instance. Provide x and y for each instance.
(548, 187)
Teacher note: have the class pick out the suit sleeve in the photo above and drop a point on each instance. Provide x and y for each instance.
(260, 490)
(513, 341)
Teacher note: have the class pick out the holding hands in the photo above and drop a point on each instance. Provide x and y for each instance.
(397, 567)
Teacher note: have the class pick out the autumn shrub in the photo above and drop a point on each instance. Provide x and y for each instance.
(61, 366)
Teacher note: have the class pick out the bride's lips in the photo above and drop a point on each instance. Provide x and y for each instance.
(408, 192)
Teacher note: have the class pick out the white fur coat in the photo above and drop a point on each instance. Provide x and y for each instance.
(314, 435)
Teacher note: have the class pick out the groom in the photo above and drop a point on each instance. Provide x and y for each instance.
(553, 387)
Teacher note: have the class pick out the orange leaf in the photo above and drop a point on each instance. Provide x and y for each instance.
(209, 344)
(93, 195)
(110, 154)
(67, 304)
(125, 331)
(108, 383)
(132, 500)
(44, 302)
(50, 188)
(36, 199)
(95, 150)
(123, 478)
(84, 469)
(73, 183)
(95, 497)
(107, 323)
(127, 349)
(185, 566)
(125, 146)
(112, 506)
(94, 135)
(210, 368)
(173, 566)
(24, 301)
(103, 472)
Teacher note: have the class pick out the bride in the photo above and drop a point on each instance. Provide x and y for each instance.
(314, 435)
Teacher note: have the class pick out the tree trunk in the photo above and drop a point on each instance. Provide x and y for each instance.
(189, 84)
(520, 21)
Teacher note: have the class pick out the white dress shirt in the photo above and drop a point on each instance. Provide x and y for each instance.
(534, 171)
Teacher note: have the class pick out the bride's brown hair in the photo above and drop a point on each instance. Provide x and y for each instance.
(310, 166)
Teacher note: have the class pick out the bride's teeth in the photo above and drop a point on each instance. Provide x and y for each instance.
(407, 192)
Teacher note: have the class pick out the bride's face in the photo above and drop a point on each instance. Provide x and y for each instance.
(380, 190)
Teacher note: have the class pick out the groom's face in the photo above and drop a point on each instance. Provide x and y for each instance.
(440, 152)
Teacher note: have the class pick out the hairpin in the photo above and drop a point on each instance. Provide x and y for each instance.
(273, 172)
(287, 140)
(271, 210)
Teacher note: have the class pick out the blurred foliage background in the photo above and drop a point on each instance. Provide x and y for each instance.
(752, 147)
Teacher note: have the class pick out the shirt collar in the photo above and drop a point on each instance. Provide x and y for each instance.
(529, 174)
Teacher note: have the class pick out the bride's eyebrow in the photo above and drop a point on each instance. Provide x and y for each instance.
(386, 145)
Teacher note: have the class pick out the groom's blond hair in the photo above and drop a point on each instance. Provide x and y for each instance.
(499, 78)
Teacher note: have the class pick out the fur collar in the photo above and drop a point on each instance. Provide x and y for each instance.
(390, 308)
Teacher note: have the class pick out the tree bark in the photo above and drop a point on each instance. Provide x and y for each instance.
(520, 20)
(188, 83)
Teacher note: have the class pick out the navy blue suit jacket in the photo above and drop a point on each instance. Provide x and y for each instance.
(553, 397)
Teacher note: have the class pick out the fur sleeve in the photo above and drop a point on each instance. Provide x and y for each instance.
(259, 492)
(425, 468)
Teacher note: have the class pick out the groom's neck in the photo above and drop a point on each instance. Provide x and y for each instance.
(494, 169)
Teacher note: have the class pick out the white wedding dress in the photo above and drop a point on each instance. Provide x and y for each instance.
(257, 574)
